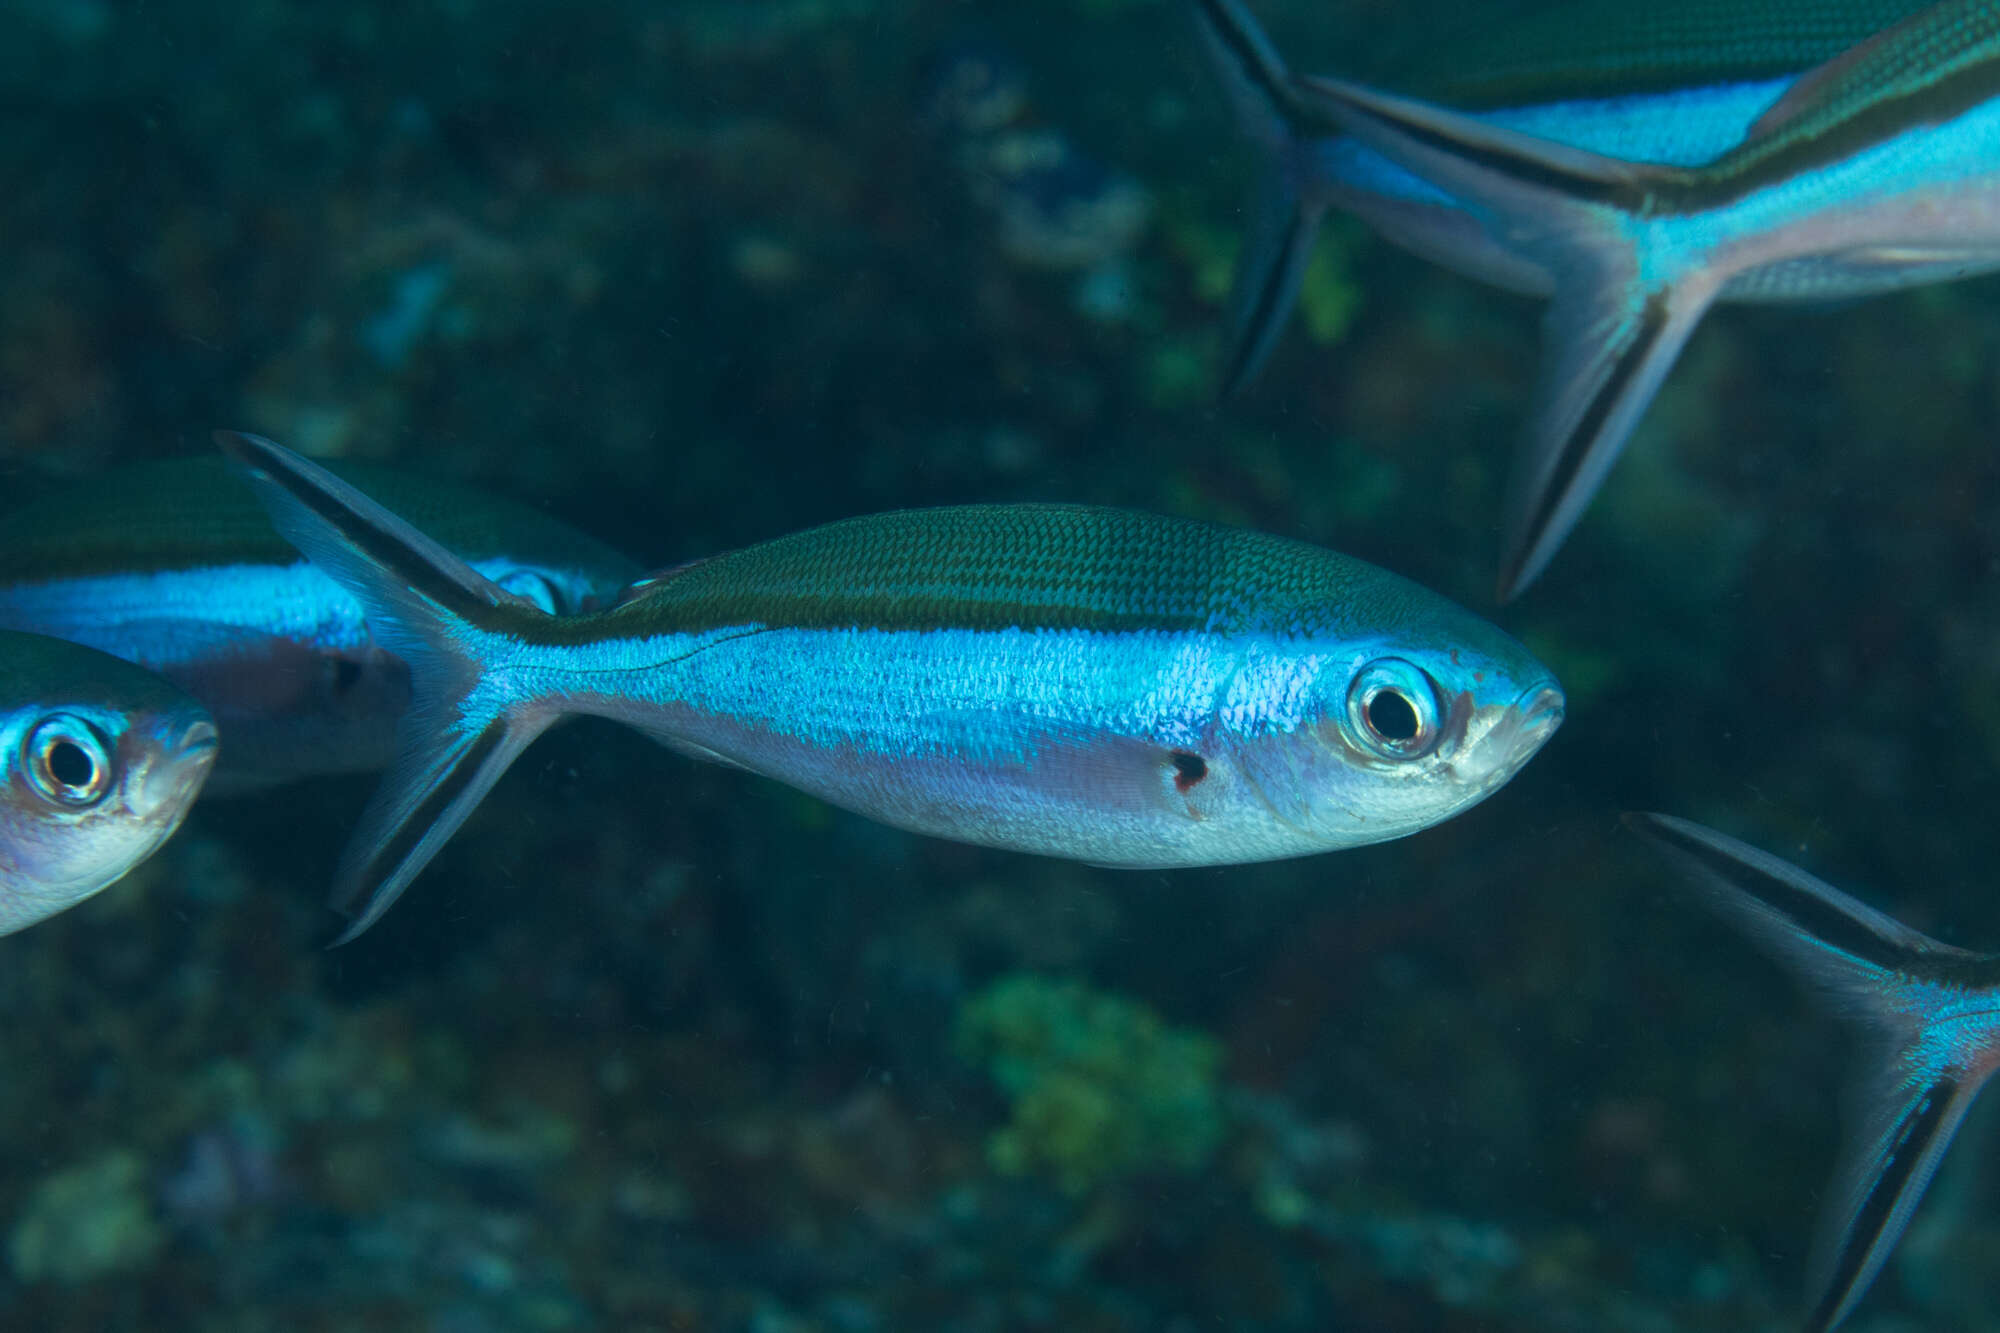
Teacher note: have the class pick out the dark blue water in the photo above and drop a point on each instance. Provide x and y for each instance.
(662, 1046)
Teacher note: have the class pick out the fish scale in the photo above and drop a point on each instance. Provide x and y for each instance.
(1932, 67)
(1017, 566)
(1592, 49)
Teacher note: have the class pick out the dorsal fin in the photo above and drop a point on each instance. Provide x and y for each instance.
(645, 583)
(1932, 66)
(1826, 82)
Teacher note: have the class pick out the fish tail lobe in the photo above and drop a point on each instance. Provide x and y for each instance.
(1608, 342)
(1925, 1064)
(452, 627)
(1285, 213)
(1618, 316)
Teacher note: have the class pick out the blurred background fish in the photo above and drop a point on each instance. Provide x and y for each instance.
(100, 761)
(174, 566)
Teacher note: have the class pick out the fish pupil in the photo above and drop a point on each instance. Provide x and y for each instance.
(69, 765)
(1393, 716)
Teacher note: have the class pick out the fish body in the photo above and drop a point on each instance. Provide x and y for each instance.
(1933, 1011)
(99, 762)
(1875, 170)
(1088, 683)
(1676, 84)
(175, 567)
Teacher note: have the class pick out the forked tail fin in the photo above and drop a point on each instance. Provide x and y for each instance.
(1285, 218)
(442, 618)
(1933, 1012)
(1617, 319)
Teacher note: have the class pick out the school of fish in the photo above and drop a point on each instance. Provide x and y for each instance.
(1100, 685)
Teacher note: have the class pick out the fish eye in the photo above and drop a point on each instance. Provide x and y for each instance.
(1392, 707)
(533, 586)
(68, 761)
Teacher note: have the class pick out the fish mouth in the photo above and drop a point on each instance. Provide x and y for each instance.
(171, 781)
(1521, 729)
(1540, 710)
(200, 738)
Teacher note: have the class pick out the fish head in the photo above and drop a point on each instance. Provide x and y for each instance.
(1404, 732)
(95, 773)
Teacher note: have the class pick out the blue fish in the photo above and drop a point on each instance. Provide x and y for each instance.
(99, 762)
(1875, 170)
(1087, 683)
(1933, 1010)
(175, 567)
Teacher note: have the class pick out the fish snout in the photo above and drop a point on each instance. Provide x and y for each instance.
(1511, 737)
(173, 775)
(1540, 709)
(199, 741)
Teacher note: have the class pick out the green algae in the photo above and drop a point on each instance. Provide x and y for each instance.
(85, 1222)
(1101, 1088)
(1329, 296)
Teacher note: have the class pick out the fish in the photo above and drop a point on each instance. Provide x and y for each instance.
(174, 567)
(100, 762)
(1931, 1010)
(1875, 170)
(1670, 82)
(1096, 684)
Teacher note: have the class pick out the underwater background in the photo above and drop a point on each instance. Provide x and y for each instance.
(660, 1046)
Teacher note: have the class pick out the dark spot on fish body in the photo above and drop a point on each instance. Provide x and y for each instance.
(346, 675)
(1189, 770)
